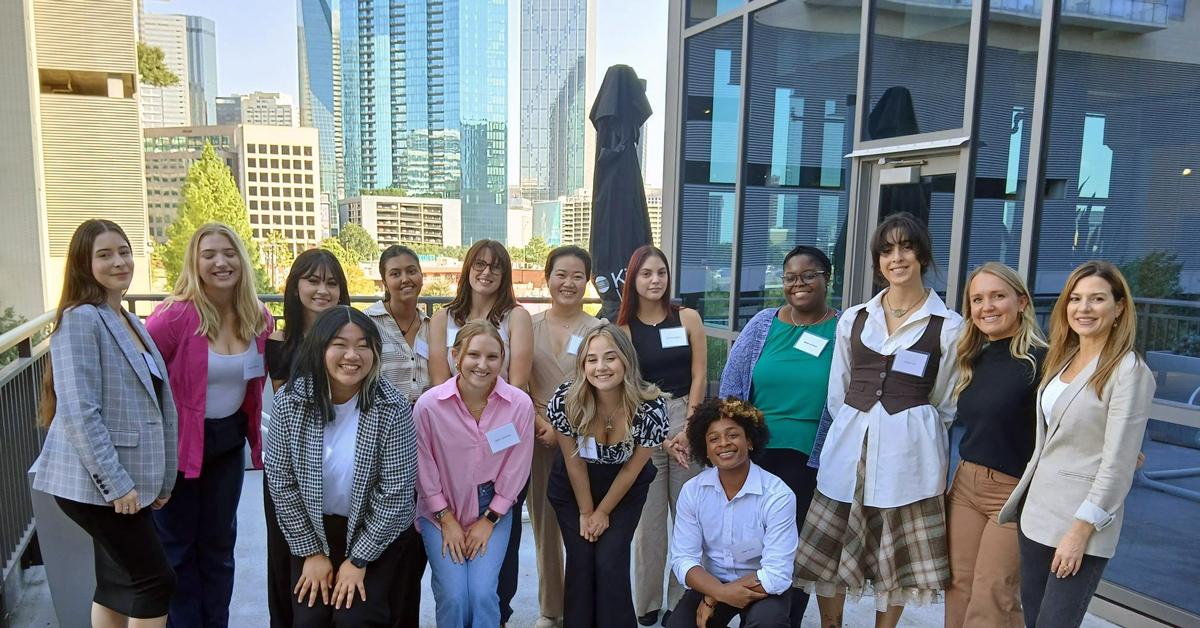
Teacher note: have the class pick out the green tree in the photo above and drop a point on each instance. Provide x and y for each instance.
(1155, 275)
(438, 287)
(209, 195)
(9, 320)
(536, 251)
(153, 68)
(354, 238)
(382, 192)
(278, 257)
(357, 282)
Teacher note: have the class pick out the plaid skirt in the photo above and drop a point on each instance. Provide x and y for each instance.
(897, 554)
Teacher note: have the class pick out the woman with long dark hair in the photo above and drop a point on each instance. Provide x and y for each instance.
(672, 353)
(212, 332)
(315, 284)
(341, 464)
(110, 450)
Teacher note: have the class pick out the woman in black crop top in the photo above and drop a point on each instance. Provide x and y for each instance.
(315, 284)
(671, 351)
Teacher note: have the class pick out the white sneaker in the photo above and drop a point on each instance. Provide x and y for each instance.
(546, 622)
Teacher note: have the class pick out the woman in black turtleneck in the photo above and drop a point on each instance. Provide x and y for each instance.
(999, 360)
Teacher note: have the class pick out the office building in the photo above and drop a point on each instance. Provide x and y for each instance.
(318, 26)
(547, 221)
(424, 103)
(260, 108)
(558, 83)
(407, 221)
(70, 144)
(655, 211)
(1040, 135)
(575, 223)
(275, 168)
(167, 106)
(520, 224)
(202, 69)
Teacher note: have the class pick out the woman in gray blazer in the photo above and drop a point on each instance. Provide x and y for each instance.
(1092, 407)
(110, 450)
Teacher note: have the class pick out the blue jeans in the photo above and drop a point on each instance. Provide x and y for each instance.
(465, 595)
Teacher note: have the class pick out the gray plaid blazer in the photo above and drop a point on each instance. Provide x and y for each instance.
(382, 500)
(112, 431)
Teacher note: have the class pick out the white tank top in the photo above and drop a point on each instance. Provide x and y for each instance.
(452, 330)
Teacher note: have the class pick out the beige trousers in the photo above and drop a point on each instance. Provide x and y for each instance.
(650, 544)
(547, 537)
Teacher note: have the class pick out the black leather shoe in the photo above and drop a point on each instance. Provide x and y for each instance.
(649, 619)
(666, 617)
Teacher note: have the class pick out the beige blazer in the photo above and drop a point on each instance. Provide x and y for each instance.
(1086, 453)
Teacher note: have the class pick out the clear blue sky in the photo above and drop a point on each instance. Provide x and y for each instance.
(256, 51)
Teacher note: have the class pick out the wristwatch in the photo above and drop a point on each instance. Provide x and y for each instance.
(441, 513)
(358, 562)
(491, 515)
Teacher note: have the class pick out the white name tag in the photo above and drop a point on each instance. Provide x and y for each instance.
(587, 448)
(811, 343)
(151, 365)
(910, 362)
(253, 366)
(747, 551)
(421, 348)
(503, 437)
(573, 344)
(673, 337)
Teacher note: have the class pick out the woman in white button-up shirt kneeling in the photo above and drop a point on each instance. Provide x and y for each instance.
(735, 536)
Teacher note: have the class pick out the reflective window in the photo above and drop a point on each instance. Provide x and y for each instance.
(713, 85)
(918, 71)
(700, 10)
(799, 129)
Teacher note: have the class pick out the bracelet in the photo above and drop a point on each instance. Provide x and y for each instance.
(704, 601)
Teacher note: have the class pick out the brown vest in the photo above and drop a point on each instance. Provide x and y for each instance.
(872, 379)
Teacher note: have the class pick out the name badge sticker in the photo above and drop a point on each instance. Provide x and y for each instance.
(573, 344)
(811, 343)
(503, 437)
(587, 448)
(910, 362)
(152, 366)
(673, 337)
(747, 551)
(422, 348)
(253, 366)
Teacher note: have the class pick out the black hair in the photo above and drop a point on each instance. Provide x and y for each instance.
(309, 362)
(569, 251)
(908, 228)
(309, 263)
(390, 252)
(811, 251)
(741, 412)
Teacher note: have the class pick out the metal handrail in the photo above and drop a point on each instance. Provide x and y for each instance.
(24, 331)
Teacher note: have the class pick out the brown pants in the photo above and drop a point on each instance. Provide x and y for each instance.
(989, 595)
(547, 538)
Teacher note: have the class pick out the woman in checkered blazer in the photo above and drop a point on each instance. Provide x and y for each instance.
(341, 467)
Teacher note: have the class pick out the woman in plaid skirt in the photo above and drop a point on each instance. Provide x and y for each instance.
(877, 524)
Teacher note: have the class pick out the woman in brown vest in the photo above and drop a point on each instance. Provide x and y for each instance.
(877, 524)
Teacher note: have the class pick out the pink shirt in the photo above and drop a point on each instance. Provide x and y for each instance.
(173, 327)
(454, 455)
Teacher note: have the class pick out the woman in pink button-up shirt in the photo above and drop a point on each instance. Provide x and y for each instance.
(474, 448)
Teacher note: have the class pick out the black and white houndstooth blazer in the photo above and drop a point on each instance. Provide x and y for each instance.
(385, 470)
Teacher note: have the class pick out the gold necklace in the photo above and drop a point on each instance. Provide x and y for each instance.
(792, 318)
(899, 313)
(608, 421)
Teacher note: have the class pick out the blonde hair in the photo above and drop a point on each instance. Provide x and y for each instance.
(580, 399)
(477, 327)
(972, 340)
(1064, 342)
(250, 318)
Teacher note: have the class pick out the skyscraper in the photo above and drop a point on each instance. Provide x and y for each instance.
(265, 108)
(425, 103)
(167, 106)
(318, 26)
(202, 69)
(558, 81)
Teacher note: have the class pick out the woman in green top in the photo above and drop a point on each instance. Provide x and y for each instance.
(780, 364)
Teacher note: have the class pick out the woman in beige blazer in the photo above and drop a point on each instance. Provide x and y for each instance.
(1092, 409)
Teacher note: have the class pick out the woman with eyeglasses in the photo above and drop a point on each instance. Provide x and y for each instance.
(485, 292)
(780, 363)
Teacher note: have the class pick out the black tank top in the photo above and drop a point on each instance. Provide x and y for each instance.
(670, 369)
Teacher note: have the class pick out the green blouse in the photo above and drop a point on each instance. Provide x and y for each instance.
(789, 385)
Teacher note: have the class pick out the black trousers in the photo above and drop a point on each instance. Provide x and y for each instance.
(510, 570)
(279, 566)
(791, 466)
(770, 612)
(597, 587)
(406, 580)
(133, 576)
(1050, 601)
(374, 613)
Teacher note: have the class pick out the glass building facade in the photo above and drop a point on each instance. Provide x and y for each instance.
(424, 95)
(321, 95)
(558, 57)
(202, 69)
(1035, 133)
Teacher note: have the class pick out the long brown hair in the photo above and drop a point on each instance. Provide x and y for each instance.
(630, 299)
(580, 399)
(251, 318)
(972, 340)
(79, 288)
(459, 307)
(1064, 342)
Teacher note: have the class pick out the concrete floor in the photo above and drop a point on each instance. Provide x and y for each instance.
(249, 610)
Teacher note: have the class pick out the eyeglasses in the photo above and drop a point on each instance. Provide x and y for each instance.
(481, 265)
(805, 277)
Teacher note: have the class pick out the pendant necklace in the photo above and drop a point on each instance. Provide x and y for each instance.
(899, 313)
(608, 421)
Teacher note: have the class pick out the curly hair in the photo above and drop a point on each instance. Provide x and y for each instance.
(741, 412)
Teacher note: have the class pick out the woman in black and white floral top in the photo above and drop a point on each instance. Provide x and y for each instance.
(609, 421)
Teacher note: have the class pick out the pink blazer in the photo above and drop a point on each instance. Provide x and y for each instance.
(173, 327)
